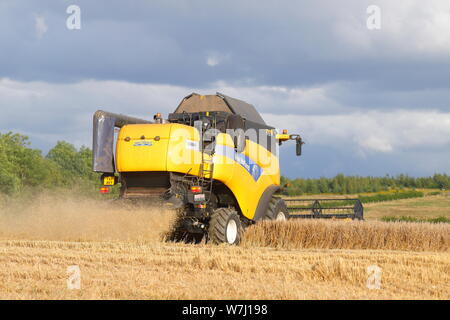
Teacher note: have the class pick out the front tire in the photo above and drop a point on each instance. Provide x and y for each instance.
(225, 226)
(277, 210)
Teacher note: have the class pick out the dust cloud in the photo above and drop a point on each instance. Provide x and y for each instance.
(75, 218)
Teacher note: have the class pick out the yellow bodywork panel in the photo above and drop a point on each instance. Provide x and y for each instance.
(158, 147)
(175, 148)
(183, 154)
(247, 174)
(283, 137)
(142, 147)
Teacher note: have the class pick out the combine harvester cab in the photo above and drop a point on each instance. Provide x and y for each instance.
(214, 160)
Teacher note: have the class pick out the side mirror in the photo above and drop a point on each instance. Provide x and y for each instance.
(298, 145)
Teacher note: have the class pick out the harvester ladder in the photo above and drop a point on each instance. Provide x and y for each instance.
(207, 171)
(207, 165)
(206, 168)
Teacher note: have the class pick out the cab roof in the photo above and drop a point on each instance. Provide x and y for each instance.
(219, 102)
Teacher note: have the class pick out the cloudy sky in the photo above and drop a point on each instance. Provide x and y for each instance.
(368, 101)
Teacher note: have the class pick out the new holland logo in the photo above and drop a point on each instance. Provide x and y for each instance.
(143, 144)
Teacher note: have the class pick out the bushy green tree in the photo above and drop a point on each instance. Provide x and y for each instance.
(21, 166)
(74, 164)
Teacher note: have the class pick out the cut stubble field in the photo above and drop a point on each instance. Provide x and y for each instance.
(121, 256)
(426, 207)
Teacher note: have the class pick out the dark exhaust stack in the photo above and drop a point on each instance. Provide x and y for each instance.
(103, 138)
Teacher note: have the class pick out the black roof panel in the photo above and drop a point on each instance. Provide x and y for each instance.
(244, 109)
(219, 102)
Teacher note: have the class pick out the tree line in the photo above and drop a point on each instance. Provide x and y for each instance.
(342, 184)
(23, 168)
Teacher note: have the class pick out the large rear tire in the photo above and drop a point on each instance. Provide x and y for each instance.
(277, 210)
(225, 226)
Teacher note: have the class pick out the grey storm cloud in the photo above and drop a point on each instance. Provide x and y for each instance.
(289, 43)
(366, 101)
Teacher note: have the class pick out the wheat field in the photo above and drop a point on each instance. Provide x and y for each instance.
(121, 255)
(323, 234)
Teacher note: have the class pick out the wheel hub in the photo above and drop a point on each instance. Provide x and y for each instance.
(231, 231)
(280, 216)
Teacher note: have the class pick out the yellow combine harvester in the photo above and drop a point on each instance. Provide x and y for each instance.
(214, 159)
